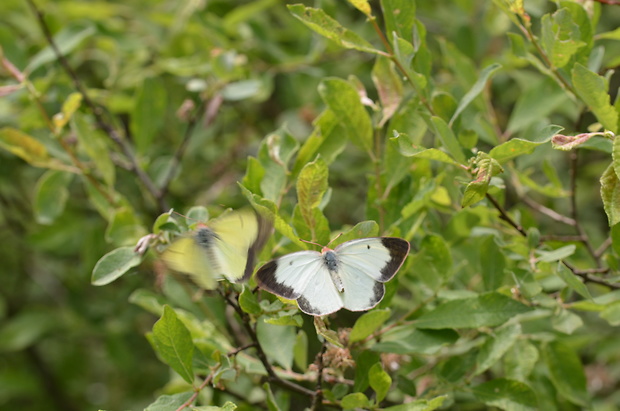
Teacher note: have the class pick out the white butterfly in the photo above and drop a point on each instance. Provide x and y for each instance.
(350, 276)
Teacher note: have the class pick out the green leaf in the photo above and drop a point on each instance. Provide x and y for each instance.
(277, 342)
(330, 336)
(368, 323)
(409, 149)
(399, 16)
(520, 360)
(496, 346)
(448, 139)
(228, 406)
(409, 340)
(363, 6)
(321, 23)
(114, 264)
(270, 211)
(342, 98)
(311, 187)
(611, 314)
(248, 301)
(69, 107)
(561, 37)
(94, 143)
(272, 404)
(360, 230)
(528, 286)
(572, 281)
(513, 148)
(566, 321)
(274, 155)
(506, 394)
(389, 87)
(197, 214)
(420, 405)
(26, 328)
(300, 350)
(566, 372)
(244, 89)
(592, 89)
(51, 195)
(610, 194)
(492, 264)
(536, 102)
(433, 263)
(148, 300)
(363, 362)
(354, 401)
(173, 343)
(67, 40)
(487, 310)
(149, 113)
(476, 89)
(557, 254)
(328, 139)
(29, 149)
(474, 192)
(379, 380)
(169, 402)
(125, 228)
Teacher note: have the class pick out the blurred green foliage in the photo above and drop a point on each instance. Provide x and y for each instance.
(438, 122)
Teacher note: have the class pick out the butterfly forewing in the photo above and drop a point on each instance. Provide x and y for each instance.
(288, 276)
(236, 232)
(187, 256)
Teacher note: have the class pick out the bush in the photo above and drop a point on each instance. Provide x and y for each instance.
(478, 131)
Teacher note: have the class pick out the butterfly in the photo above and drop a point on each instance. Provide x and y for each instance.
(350, 276)
(224, 247)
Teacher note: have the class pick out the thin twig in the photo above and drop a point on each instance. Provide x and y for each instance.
(98, 112)
(191, 399)
(504, 215)
(210, 111)
(242, 348)
(272, 376)
(563, 238)
(318, 397)
(573, 207)
(584, 274)
(603, 247)
(554, 215)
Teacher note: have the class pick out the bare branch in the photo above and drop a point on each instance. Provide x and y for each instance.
(98, 112)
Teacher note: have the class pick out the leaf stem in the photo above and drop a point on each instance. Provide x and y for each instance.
(272, 376)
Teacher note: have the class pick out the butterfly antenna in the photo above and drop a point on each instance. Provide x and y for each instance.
(333, 239)
(310, 242)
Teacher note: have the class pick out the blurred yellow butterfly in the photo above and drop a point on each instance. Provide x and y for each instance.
(224, 247)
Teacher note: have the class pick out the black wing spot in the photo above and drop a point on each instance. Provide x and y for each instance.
(367, 246)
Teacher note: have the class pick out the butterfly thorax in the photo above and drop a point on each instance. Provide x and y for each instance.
(331, 263)
(205, 237)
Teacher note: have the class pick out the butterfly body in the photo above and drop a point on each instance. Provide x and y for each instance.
(350, 276)
(225, 247)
